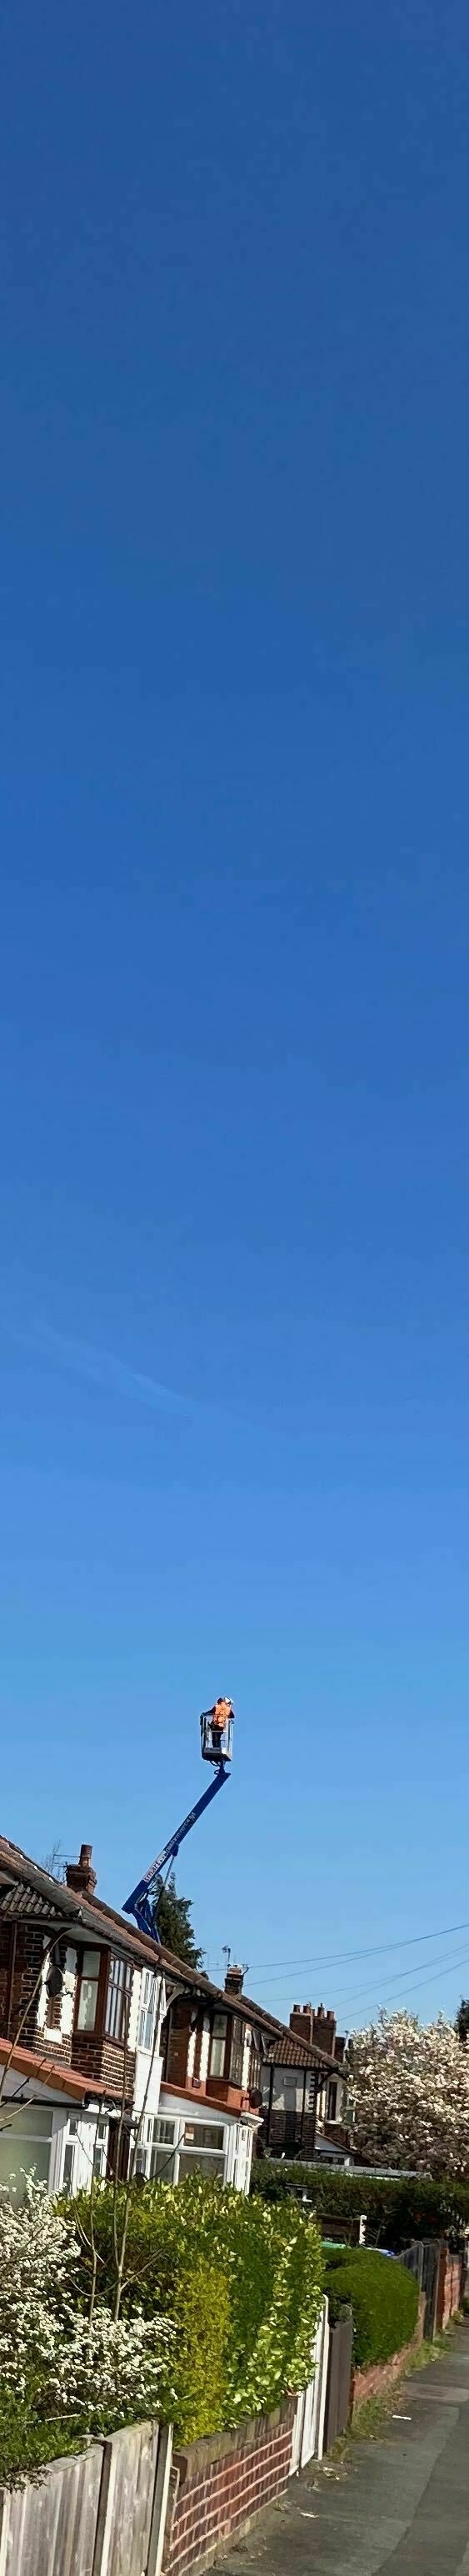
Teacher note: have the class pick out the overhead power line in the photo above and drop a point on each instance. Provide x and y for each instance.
(338, 1958)
(426, 1980)
(434, 1967)
(406, 1977)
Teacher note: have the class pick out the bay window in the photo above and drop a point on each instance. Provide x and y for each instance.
(146, 2020)
(218, 2044)
(255, 2064)
(237, 2050)
(118, 1999)
(88, 1990)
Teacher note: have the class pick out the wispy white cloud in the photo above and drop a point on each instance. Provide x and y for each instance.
(103, 1369)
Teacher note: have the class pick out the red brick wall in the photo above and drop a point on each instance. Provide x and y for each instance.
(381, 2374)
(285, 2133)
(103, 2062)
(449, 2286)
(29, 1953)
(60, 2049)
(218, 2484)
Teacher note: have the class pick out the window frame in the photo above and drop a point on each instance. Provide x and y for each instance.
(208, 2161)
(101, 2148)
(158, 2148)
(119, 1989)
(32, 2130)
(218, 2039)
(236, 2059)
(204, 2137)
(256, 2061)
(150, 1981)
(89, 2030)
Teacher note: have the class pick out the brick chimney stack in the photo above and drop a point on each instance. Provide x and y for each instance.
(79, 1873)
(234, 1981)
(316, 2026)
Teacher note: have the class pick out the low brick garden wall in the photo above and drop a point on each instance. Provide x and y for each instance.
(219, 2483)
(381, 2375)
(450, 2286)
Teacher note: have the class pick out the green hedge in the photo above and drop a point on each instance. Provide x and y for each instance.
(199, 2304)
(242, 2282)
(398, 2208)
(27, 2444)
(383, 2297)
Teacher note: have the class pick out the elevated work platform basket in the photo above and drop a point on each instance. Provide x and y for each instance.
(216, 1742)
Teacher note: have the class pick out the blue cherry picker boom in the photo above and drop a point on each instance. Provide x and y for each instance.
(216, 1738)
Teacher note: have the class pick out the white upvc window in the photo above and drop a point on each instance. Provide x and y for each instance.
(25, 2144)
(70, 2157)
(157, 2149)
(167, 2149)
(218, 2044)
(85, 2152)
(202, 2148)
(88, 1989)
(100, 2150)
(146, 2020)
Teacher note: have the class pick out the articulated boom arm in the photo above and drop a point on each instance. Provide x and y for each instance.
(139, 1902)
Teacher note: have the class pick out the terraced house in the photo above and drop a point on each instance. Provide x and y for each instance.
(111, 2047)
(304, 2090)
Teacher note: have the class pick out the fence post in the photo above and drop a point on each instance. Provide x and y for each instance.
(160, 2501)
(4, 2528)
(322, 2381)
(103, 2526)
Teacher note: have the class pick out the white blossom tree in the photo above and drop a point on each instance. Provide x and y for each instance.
(408, 2092)
(52, 2353)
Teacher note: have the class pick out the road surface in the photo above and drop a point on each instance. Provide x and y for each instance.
(397, 2507)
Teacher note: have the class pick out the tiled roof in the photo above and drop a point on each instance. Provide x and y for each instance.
(288, 2050)
(25, 1888)
(42, 2070)
(19, 1899)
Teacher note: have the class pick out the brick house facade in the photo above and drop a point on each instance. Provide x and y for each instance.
(304, 2090)
(147, 2055)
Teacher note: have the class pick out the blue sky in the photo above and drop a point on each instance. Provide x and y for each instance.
(235, 945)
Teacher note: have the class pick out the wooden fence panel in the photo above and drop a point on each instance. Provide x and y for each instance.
(129, 2473)
(423, 2258)
(429, 2284)
(313, 2430)
(49, 2529)
(101, 2513)
(308, 2428)
(338, 2380)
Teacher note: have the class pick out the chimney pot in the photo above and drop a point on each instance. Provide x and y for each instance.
(315, 2025)
(79, 1874)
(234, 1981)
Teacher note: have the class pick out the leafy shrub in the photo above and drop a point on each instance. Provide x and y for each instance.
(398, 2207)
(54, 2360)
(27, 2442)
(200, 2306)
(383, 2297)
(242, 2281)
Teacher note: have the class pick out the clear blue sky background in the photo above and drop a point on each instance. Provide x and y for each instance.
(235, 947)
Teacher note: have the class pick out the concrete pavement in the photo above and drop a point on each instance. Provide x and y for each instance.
(395, 2507)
